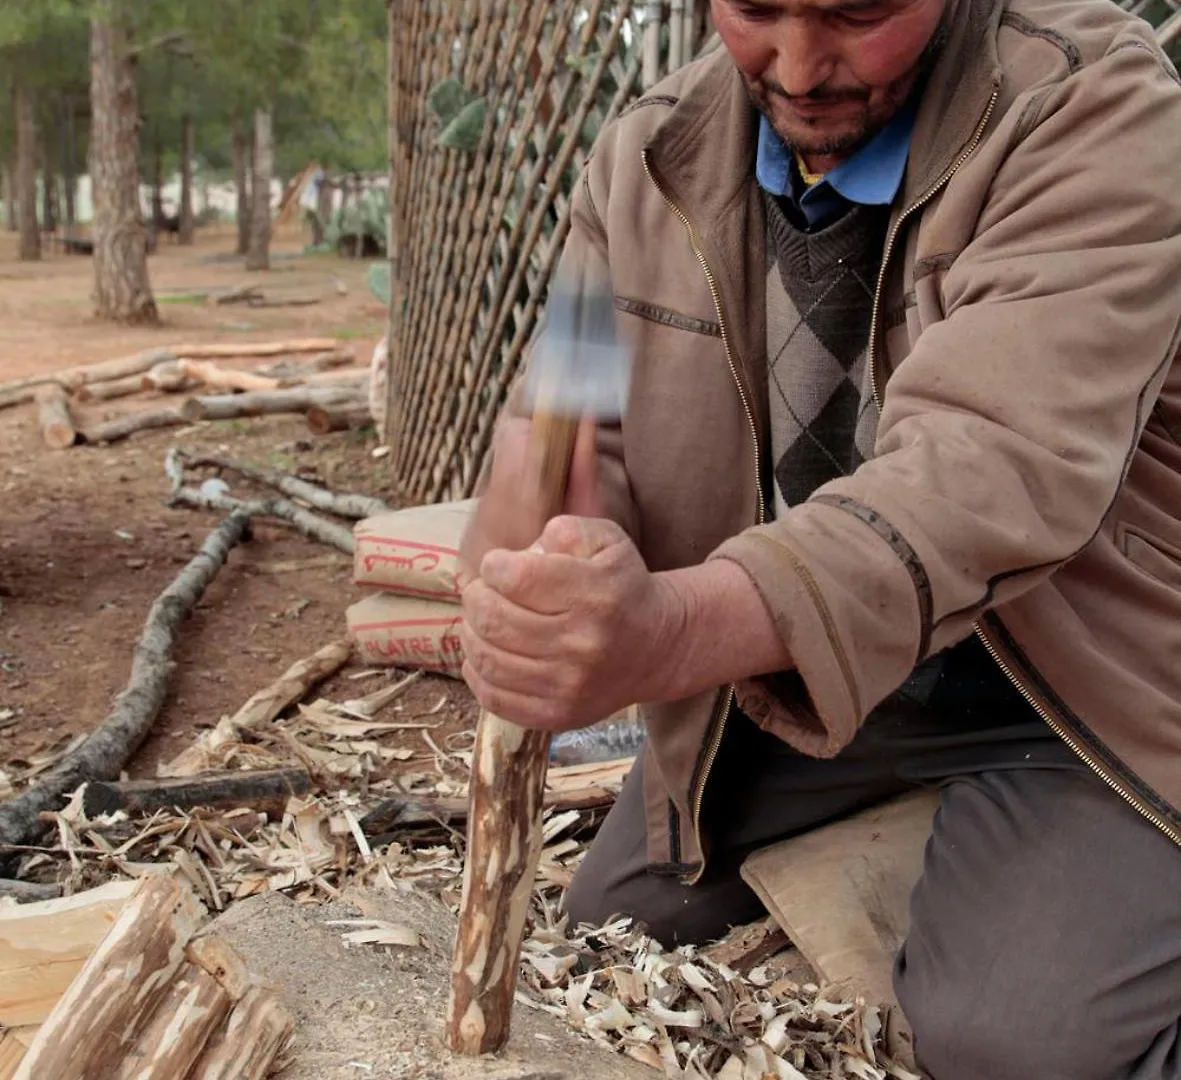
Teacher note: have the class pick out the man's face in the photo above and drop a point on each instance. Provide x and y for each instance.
(829, 74)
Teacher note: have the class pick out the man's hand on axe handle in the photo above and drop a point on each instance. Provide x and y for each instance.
(565, 630)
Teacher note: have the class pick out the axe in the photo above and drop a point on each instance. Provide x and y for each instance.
(579, 368)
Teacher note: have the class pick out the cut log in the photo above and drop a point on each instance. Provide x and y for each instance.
(296, 400)
(121, 427)
(212, 954)
(245, 1048)
(93, 1024)
(21, 390)
(355, 377)
(296, 369)
(44, 945)
(27, 892)
(343, 505)
(108, 391)
(14, 1044)
(265, 790)
(218, 378)
(271, 348)
(179, 1028)
(167, 378)
(267, 704)
(53, 418)
(324, 421)
(111, 745)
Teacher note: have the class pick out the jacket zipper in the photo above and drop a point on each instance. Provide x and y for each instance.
(697, 796)
(1067, 736)
(1057, 726)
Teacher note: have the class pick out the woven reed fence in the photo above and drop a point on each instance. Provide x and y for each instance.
(494, 105)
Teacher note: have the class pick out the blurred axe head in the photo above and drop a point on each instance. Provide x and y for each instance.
(579, 366)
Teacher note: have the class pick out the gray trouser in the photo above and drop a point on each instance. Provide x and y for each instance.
(1045, 939)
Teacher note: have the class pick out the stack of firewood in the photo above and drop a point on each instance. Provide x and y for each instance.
(187, 383)
(120, 982)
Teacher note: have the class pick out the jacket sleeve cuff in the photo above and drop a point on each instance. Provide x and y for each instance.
(844, 599)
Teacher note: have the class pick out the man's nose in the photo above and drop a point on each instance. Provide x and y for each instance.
(804, 60)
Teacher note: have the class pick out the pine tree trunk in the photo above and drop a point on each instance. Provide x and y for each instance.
(242, 186)
(9, 180)
(69, 175)
(122, 290)
(26, 176)
(157, 184)
(187, 141)
(49, 206)
(258, 257)
(324, 200)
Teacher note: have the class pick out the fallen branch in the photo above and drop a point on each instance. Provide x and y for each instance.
(312, 526)
(346, 505)
(111, 745)
(265, 790)
(53, 418)
(28, 892)
(121, 426)
(296, 400)
(264, 706)
(324, 421)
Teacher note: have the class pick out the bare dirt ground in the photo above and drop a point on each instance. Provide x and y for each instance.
(86, 542)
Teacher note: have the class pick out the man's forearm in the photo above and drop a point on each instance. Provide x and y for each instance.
(724, 634)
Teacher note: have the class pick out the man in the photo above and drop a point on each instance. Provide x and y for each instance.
(901, 474)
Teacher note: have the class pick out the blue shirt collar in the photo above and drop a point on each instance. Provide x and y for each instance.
(872, 176)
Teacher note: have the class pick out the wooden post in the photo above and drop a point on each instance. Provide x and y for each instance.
(504, 828)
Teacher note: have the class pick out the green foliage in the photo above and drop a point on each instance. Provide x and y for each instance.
(365, 218)
(463, 133)
(447, 99)
(377, 277)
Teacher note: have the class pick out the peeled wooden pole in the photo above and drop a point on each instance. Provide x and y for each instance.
(215, 377)
(506, 801)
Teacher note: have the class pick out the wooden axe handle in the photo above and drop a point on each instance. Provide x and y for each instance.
(506, 803)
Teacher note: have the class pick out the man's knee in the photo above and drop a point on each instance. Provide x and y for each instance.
(1001, 1027)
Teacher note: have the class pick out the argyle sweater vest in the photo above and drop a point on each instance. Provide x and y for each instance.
(820, 289)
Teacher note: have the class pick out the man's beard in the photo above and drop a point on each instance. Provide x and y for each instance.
(861, 128)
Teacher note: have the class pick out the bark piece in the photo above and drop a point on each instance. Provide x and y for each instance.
(179, 1028)
(267, 704)
(53, 418)
(296, 400)
(246, 1047)
(111, 745)
(503, 847)
(266, 790)
(324, 421)
(218, 378)
(44, 945)
(343, 505)
(122, 426)
(122, 982)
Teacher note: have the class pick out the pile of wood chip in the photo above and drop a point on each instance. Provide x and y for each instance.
(366, 822)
